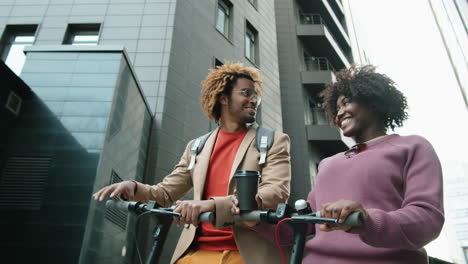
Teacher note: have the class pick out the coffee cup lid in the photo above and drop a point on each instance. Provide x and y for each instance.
(246, 173)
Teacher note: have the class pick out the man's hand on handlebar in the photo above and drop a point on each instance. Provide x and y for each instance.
(191, 210)
(126, 189)
(236, 211)
(339, 210)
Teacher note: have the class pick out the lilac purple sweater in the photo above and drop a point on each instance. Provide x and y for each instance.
(398, 180)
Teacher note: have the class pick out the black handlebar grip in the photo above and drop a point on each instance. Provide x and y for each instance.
(249, 216)
(119, 205)
(207, 217)
(355, 218)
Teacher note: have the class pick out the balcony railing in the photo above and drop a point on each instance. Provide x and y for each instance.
(315, 19)
(317, 116)
(318, 64)
(311, 19)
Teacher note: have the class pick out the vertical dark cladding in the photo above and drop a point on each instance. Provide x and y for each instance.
(65, 118)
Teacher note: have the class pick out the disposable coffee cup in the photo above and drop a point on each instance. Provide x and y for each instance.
(246, 186)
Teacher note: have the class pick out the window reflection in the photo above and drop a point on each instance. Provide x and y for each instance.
(15, 56)
(82, 34)
(222, 18)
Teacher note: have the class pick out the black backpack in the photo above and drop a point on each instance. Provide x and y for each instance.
(263, 138)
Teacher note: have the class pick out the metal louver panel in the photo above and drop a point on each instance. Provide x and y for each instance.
(116, 216)
(23, 182)
(14, 103)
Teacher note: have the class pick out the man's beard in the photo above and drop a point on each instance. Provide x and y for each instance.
(245, 118)
(248, 119)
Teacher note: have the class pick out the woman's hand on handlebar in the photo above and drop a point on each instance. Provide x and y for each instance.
(339, 210)
(126, 189)
(190, 210)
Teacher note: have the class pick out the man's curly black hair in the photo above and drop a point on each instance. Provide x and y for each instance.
(365, 86)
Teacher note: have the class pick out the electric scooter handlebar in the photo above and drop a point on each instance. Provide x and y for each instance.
(138, 208)
(355, 218)
(285, 211)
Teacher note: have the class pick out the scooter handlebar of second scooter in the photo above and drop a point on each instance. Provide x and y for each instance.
(355, 218)
(285, 211)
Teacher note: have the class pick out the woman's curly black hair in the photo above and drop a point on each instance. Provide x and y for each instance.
(365, 86)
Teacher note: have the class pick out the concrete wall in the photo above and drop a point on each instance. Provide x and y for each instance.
(293, 96)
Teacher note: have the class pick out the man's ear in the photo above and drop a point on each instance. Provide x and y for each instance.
(223, 99)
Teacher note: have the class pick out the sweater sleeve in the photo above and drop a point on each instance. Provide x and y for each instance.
(173, 186)
(421, 216)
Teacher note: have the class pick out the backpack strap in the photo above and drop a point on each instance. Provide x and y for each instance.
(264, 138)
(196, 147)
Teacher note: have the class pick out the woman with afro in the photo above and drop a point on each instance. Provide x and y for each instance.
(394, 181)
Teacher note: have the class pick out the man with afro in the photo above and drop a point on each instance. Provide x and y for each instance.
(230, 96)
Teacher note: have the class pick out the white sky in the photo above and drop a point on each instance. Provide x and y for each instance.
(401, 38)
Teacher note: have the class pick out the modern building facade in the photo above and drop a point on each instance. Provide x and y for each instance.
(451, 18)
(313, 43)
(117, 84)
(456, 196)
(73, 130)
(109, 91)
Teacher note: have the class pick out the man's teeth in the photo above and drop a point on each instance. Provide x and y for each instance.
(344, 122)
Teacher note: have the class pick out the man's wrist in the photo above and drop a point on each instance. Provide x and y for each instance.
(214, 204)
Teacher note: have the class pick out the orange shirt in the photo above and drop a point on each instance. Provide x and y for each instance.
(216, 184)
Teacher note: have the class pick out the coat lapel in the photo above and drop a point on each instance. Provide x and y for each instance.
(201, 168)
(244, 146)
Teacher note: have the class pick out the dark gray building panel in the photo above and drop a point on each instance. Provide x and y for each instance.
(71, 122)
(309, 52)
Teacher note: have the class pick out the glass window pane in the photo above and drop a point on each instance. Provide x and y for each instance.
(247, 46)
(85, 40)
(220, 20)
(252, 50)
(15, 58)
(24, 39)
(226, 24)
(82, 34)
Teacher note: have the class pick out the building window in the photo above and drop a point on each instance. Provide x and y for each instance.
(251, 43)
(82, 34)
(13, 41)
(223, 17)
(218, 63)
(317, 114)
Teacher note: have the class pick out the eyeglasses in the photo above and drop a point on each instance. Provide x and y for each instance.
(252, 95)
